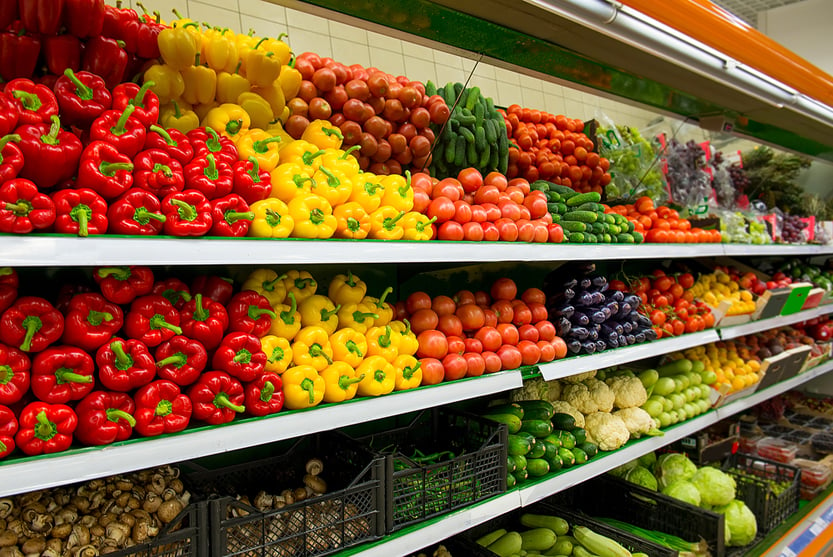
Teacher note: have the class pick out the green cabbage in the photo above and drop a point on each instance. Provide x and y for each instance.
(740, 523)
(648, 460)
(683, 490)
(672, 467)
(640, 475)
(716, 488)
(623, 469)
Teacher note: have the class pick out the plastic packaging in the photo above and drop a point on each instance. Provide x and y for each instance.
(776, 449)
(813, 474)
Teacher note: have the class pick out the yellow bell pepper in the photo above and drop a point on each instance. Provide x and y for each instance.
(202, 109)
(349, 345)
(276, 128)
(343, 161)
(347, 289)
(358, 316)
(167, 81)
(245, 42)
(290, 81)
(379, 376)
(303, 387)
(219, 49)
(278, 353)
(271, 220)
(323, 134)
(398, 192)
(289, 180)
(228, 119)
(262, 65)
(408, 343)
(313, 217)
(178, 45)
(200, 83)
(382, 308)
(417, 227)
(288, 320)
(332, 185)
(278, 48)
(367, 191)
(381, 341)
(302, 152)
(285, 115)
(259, 110)
(230, 85)
(273, 95)
(262, 146)
(300, 284)
(268, 284)
(311, 347)
(385, 225)
(341, 382)
(352, 221)
(183, 21)
(408, 372)
(171, 116)
(320, 311)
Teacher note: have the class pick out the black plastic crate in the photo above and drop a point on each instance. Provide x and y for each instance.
(185, 536)
(415, 491)
(457, 545)
(754, 476)
(350, 513)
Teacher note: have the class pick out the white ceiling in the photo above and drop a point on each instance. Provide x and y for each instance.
(748, 9)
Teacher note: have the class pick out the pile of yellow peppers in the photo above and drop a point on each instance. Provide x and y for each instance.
(319, 191)
(218, 78)
(330, 348)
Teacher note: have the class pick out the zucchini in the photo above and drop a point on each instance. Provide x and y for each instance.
(510, 481)
(538, 450)
(555, 461)
(567, 457)
(580, 456)
(550, 448)
(533, 413)
(555, 523)
(584, 216)
(520, 461)
(510, 463)
(490, 538)
(541, 405)
(580, 434)
(537, 539)
(520, 475)
(598, 544)
(510, 408)
(538, 428)
(589, 197)
(563, 421)
(512, 422)
(517, 445)
(568, 440)
(506, 545)
(561, 547)
(537, 467)
(579, 551)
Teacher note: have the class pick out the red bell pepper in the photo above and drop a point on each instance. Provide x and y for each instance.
(82, 96)
(82, 212)
(19, 54)
(105, 57)
(172, 141)
(136, 212)
(14, 374)
(219, 289)
(161, 408)
(31, 324)
(8, 115)
(187, 213)
(11, 157)
(105, 169)
(181, 360)
(209, 175)
(66, 293)
(119, 129)
(104, 418)
(142, 98)
(8, 13)
(217, 397)
(121, 285)
(158, 172)
(204, 320)
(176, 291)
(250, 312)
(147, 37)
(251, 183)
(205, 141)
(124, 365)
(42, 16)
(62, 52)
(36, 104)
(240, 355)
(61, 374)
(264, 395)
(231, 216)
(152, 319)
(45, 428)
(91, 321)
(50, 154)
(24, 208)
(8, 287)
(8, 427)
(84, 18)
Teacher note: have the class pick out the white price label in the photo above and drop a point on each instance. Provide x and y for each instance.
(816, 528)
(787, 552)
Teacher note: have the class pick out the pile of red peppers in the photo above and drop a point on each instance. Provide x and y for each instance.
(129, 354)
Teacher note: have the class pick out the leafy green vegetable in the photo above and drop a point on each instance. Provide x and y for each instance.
(740, 523)
(716, 487)
(640, 475)
(683, 490)
(673, 467)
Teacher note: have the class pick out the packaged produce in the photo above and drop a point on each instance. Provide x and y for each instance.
(776, 449)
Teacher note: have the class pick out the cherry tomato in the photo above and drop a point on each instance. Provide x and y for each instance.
(686, 280)
(456, 345)
(450, 325)
(510, 356)
(475, 364)
(432, 371)
(489, 337)
(455, 367)
(432, 344)
(663, 283)
(504, 289)
(472, 316)
(424, 320)
(546, 330)
(678, 327)
(508, 333)
(658, 317)
(618, 285)
(492, 360)
(547, 350)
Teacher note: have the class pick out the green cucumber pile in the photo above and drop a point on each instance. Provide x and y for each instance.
(583, 217)
(475, 135)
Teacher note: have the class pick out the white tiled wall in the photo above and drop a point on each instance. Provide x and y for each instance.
(354, 45)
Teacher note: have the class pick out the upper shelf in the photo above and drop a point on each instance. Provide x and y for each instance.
(612, 49)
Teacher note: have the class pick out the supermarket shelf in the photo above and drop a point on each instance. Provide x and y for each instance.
(579, 364)
(810, 536)
(27, 474)
(777, 249)
(773, 322)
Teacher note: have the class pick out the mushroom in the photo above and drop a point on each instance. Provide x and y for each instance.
(97, 531)
(118, 532)
(34, 545)
(51, 551)
(127, 518)
(42, 523)
(81, 502)
(288, 495)
(168, 493)
(12, 551)
(6, 507)
(315, 483)
(8, 538)
(107, 518)
(107, 549)
(140, 533)
(18, 527)
(278, 502)
(87, 520)
(263, 501)
(151, 502)
(300, 493)
(97, 498)
(27, 499)
(96, 484)
(87, 550)
(122, 498)
(314, 466)
(133, 502)
(177, 485)
(185, 498)
(124, 484)
(157, 484)
(79, 536)
(169, 510)
(61, 531)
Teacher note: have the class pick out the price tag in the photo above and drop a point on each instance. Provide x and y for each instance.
(817, 528)
(787, 552)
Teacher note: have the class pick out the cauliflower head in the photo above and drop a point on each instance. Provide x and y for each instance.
(629, 391)
(589, 396)
(607, 431)
(638, 422)
(533, 389)
(578, 378)
(562, 407)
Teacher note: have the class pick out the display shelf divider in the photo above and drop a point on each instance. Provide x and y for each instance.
(736, 331)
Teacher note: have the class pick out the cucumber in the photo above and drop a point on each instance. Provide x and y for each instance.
(567, 457)
(480, 139)
(473, 98)
(607, 238)
(563, 421)
(580, 456)
(542, 405)
(598, 227)
(550, 448)
(479, 115)
(466, 117)
(538, 451)
(458, 89)
(460, 152)
(540, 185)
(589, 448)
(568, 440)
(609, 218)
(583, 216)
(574, 226)
(538, 428)
(472, 158)
(563, 190)
(589, 197)
(533, 413)
(537, 467)
(490, 538)
(556, 524)
(554, 197)
(520, 475)
(519, 462)
(507, 545)
(595, 207)
(485, 155)
(638, 238)
(490, 127)
(510, 408)
(510, 464)
(512, 422)
(430, 88)
(537, 539)
(580, 434)
(518, 445)
(625, 238)
(451, 146)
(577, 237)
(448, 94)
(467, 133)
(510, 481)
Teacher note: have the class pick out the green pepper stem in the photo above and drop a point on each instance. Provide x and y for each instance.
(282, 35)
(119, 128)
(389, 223)
(288, 317)
(114, 415)
(407, 327)
(32, 324)
(354, 348)
(3, 448)
(186, 211)
(211, 171)
(176, 13)
(267, 391)
(269, 285)
(372, 188)
(403, 191)
(109, 169)
(81, 214)
(222, 401)
(276, 356)
(317, 350)
(233, 216)
(243, 356)
(256, 312)
(301, 180)
(408, 371)
(30, 101)
(200, 313)
(178, 360)
(308, 156)
(262, 146)
(164, 408)
(96, 318)
(326, 314)
(54, 129)
(260, 42)
(118, 273)
(379, 375)
(158, 322)
(21, 208)
(254, 173)
(6, 374)
(177, 113)
(143, 216)
(273, 218)
(381, 302)
(361, 316)
(233, 127)
(66, 375)
(384, 340)
(309, 386)
(345, 381)
(45, 429)
(164, 134)
(12, 137)
(139, 98)
(304, 283)
(351, 280)
(123, 360)
(350, 150)
(332, 180)
(332, 131)
(420, 226)
(82, 91)
(165, 169)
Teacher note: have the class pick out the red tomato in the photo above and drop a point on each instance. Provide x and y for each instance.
(534, 295)
(432, 344)
(556, 233)
(530, 353)
(450, 325)
(472, 231)
(515, 194)
(492, 360)
(470, 179)
(546, 330)
(528, 332)
(504, 311)
(400, 311)
(686, 280)
(678, 326)
(526, 230)
(473, 345)
(658, 317)
(618, 285)
(421, 201)
(456, 345)
(523, 314)
(451, 231)
(455, 367)
(547, 350)
(560, 347)
(482, 298)
(472, 316)
(487, 194)
(508, 333)
(492, 212)
(509, 210)
(424, 320)
(510, 356)
(464, 297)
(496, 179)
(489, 337)
(504, 289)
(520, 183)
(421, 181)
(475, 363)
(676, 290)
(417, 301)
(541, 235)
(478, 213)
(448, 187)
(442, 208)
(539, 312)
(536, 202)
(432, 371)
(443, 305)
(491, 316)
(663, 283)
(491, 233)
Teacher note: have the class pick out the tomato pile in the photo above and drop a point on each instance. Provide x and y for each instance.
(663, 225)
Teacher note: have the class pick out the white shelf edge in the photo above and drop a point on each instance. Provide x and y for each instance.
(777, 249)
(736, 331)
(24, 476)
(571, 366)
